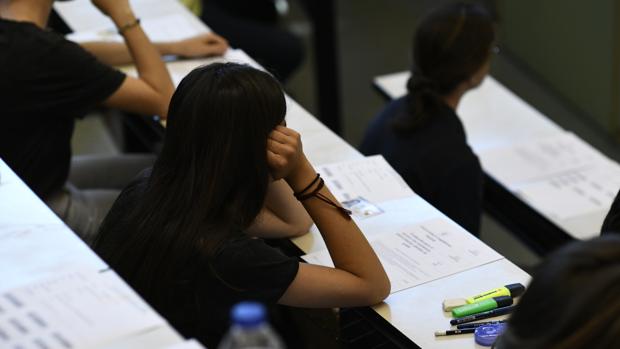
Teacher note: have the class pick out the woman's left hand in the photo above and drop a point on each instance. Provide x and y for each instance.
(204, 45)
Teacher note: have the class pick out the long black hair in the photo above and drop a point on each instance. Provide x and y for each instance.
(572, 301)
(209, 182)
(450, 45)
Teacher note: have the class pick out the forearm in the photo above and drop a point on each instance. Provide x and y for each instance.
(282, 215)
(282, 203)
(117, 53)
(150, 67)
(349, 249)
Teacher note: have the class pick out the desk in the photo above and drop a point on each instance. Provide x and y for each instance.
(52, 253)
(416, 312)
(494, 117)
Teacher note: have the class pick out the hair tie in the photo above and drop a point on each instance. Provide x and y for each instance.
(419, 81)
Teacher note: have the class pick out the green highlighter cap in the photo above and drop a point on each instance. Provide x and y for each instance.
(479, 307)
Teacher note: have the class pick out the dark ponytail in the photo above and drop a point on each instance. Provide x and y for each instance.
(450, 45)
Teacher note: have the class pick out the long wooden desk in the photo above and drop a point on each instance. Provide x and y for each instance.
(494, 117)
(415, 313)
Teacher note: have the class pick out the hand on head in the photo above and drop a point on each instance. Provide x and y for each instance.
(284, 152)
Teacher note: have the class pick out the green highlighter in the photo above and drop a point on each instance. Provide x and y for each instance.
(479, 307)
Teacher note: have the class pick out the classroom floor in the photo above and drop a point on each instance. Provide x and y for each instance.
(375, 38)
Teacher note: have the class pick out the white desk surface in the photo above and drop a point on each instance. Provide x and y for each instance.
(415, 312)
(39, 256)
(494, 116)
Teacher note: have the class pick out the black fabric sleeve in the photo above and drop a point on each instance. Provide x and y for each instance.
(68, 80)
(611, 224)
(251, 267)
(460, 195)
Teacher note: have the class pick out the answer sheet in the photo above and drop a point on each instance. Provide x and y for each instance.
(371, 178)
(423, 252)
(77, 309)
(538, 159)
(574, 193)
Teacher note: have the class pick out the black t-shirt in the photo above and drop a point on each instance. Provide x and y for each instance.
(244, 268)
(435, 160)
(46, 83)
(612, 220)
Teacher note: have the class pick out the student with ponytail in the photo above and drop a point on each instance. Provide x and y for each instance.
(420, 134)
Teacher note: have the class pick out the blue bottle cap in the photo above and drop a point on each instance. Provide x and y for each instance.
(248, 314)
(486, 335)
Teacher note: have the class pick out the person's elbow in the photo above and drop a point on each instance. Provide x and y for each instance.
(376, 291)
(162, 109)
(302, 227)
(383, 289)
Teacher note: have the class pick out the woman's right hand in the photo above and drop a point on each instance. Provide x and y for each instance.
(286, 157)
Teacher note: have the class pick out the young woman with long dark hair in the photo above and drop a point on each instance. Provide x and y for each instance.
(184, 235)
(420, 134)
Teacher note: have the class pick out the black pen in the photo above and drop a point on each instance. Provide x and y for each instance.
(478, 324)
(454, 332)
(484, 315)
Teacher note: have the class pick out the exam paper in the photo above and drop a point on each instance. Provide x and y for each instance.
(574, 193)
(423, 252)
(371, 178)
(539, 159)
(168, 28)
(77, 309)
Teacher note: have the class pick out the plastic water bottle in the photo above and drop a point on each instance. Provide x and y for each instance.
(250, 329)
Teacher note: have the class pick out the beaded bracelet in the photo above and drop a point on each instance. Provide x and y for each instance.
(129, 25)
(302, 195)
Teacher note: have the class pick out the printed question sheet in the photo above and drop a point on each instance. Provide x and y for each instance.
(423, 252)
